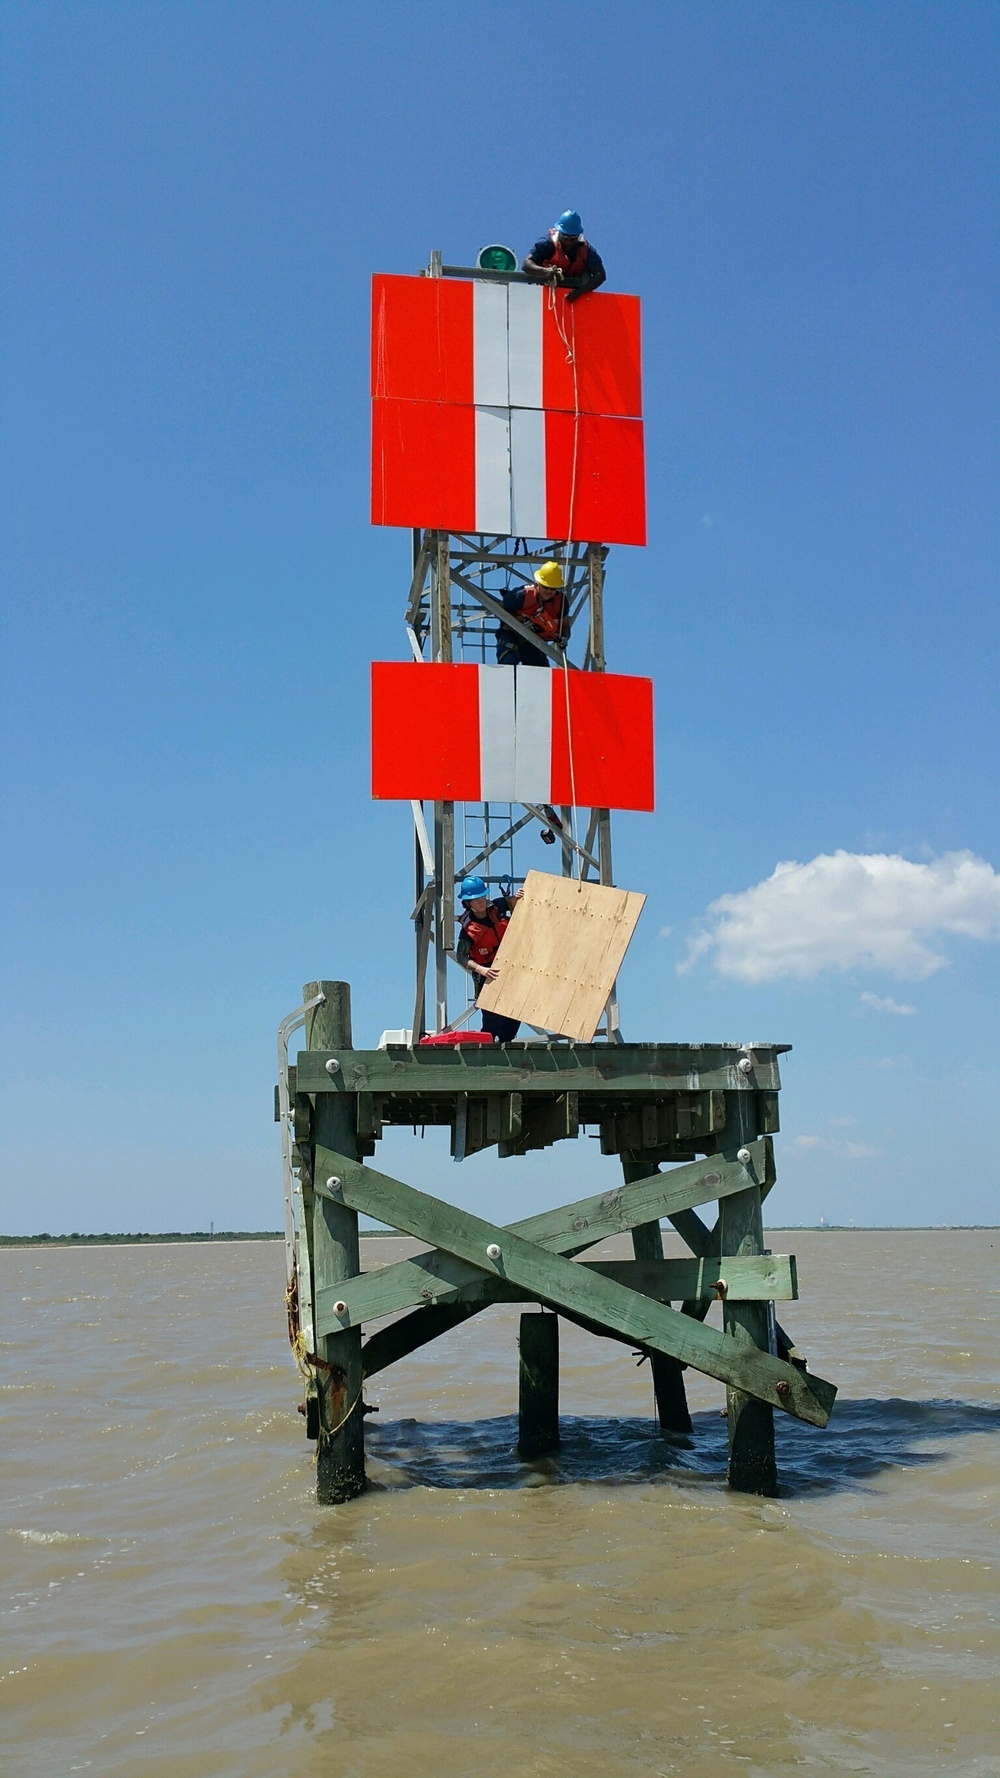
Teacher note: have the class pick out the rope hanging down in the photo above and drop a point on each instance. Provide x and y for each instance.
(558, 311)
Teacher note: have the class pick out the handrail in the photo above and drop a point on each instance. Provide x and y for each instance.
(290, 1185)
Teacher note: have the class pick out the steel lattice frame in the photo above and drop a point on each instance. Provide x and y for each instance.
(453, 612)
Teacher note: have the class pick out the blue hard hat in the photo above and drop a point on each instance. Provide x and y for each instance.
(473, 889)
(569, 223)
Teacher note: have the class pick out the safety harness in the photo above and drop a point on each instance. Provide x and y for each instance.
(484, 934)
(545, 616)
(572, 268)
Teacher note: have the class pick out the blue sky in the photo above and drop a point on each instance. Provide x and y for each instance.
(195, 195)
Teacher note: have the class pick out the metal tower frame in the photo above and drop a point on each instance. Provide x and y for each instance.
(456, 590)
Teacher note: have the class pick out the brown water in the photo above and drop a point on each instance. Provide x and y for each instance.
(176, 1603)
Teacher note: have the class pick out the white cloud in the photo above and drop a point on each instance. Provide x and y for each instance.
(850, 1151)
(886, 1003)
(849, 910)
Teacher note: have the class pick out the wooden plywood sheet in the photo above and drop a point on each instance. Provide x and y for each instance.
(561, 953)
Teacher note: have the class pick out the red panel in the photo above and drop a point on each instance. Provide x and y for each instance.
(595, 478)
(425, 732)
(611, 724)
(422, 338)
(424, 465)
(603, 334)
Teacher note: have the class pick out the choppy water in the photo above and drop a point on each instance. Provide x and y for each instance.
(175, 1602)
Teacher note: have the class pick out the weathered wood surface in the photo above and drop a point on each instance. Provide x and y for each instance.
(559, 957)
(538, 1385)
(435, 1277)
(599, 1070)
(669, 1392)
(752, 1465)
(552, 1279)
(340, 1450)
(771, 1278)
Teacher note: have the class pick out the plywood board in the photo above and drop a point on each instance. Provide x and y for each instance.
(561, 953)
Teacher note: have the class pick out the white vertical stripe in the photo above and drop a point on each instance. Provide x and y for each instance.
(496, 734)
(533, 733)
(527, 472)
(493, 470)
(525, 333)
(489, 345)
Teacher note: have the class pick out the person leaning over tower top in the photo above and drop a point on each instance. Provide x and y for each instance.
(565, 256)
(542, 608)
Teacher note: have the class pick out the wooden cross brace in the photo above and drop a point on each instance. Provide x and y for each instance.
(535, 1263)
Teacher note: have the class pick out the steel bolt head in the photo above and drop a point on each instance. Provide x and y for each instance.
(341, 1309)
(333, 1066)
(333, 1183)
(783, 1389)
(745, 1064)
(743, 1156)
(493, 1251)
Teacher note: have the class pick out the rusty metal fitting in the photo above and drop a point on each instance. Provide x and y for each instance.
(722, 1289)
(784, 1389)
(340, 1308)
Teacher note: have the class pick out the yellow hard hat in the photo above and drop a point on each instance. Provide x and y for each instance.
(550, 574)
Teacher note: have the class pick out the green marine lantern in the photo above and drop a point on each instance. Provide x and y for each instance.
(496, 259)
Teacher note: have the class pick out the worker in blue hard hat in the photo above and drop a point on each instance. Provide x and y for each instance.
(565, 256)
(483, 925)
(542, 607)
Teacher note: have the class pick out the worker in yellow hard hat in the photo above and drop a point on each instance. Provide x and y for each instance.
(541, 606)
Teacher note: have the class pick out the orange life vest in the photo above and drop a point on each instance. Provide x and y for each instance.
(544, 616)
(484, 934)
(575, 267)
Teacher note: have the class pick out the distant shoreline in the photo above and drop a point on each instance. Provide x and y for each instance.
(229, 1235)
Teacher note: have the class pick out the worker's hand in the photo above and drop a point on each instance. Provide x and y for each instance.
(518, 895)
(489, 975)
(555, 275)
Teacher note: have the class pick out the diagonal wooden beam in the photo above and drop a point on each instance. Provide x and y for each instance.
(435, 1277)
(704, 1242)
(769, 1278)
(564, 1286)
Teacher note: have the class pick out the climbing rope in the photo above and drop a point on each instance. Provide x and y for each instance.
(557, 317)
(380, 389)
(296, 1338)
(326, 1433)
(558, 312)
(573, 829)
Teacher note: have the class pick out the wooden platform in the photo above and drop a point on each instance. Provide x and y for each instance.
(649, 1101)
(711, 1107)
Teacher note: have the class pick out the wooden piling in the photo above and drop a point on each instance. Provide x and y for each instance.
(340, 1452)
(752, 1465)
(538, 1392)
(669, 1393)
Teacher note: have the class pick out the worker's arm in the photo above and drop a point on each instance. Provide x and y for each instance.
(593, 277)
(464, 960)
(550, 272)
(538, 263)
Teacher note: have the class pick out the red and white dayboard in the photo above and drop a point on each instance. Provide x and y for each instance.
(465, 733)
(505, 409)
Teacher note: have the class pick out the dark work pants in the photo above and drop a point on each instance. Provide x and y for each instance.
(500, 1029)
